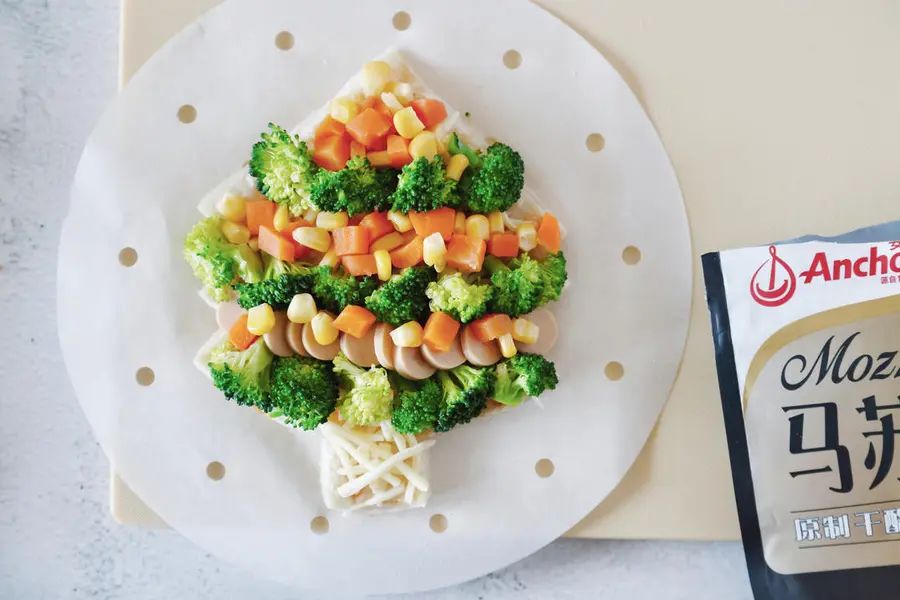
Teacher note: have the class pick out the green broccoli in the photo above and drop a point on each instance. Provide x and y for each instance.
(423, 186)
(524, 375)
(281, 282)
(335, 289)
(243, 375)
(466, 390)
(553, 271)
(402, 298)
(284, 169)
(462, 300)
(303, 390)
(518, 290)
(494, 179)
(216, 261)
(358, 188)
(416, 406)
(367, 397)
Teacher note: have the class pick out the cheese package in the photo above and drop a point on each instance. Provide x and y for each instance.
(807, 345)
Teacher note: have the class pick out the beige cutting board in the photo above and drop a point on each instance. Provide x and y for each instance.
(781, 118)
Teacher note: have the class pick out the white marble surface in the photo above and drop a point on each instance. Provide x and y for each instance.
(57, 539)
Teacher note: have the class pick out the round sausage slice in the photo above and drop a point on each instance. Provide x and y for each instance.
(449, 359)
(295, 338)
(276, 339)
(317, 350)
(547, 332)
(384, 345)
(227, 313)
(410, 364)
(360, 351)
(480, 354)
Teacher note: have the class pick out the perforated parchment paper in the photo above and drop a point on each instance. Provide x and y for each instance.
(142, 174)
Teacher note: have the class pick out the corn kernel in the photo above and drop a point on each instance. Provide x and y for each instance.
(401, 222)
(235, 232)
(254, 244)
(495, 219)
(434, 251)
(302, 309)
(383, 264)
(424, 144)
(408, 335)
(458, 164)
(460, 225)
(507, 345)
(391, 102)
(387, 242)
(260, 319)
(379, 158)
(343, 110)
(232, 207)
(375, 76)
(282, 218)
(477, 226)
(407, 123)
(441, 264)
(525, 331)
(331, 221)
(330, 259)
(313, 237)
(527, 236)
(323, 328)
(310, 215)
(403, 91)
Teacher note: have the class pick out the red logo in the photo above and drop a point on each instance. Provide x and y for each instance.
(780, 286)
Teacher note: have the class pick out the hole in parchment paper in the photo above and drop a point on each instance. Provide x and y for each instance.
(128, 256)
(544, 468)
(631, 255)
(284, 40)
(215, 470)
(187, 114)
(145, 376)
(438, 523)
(402, 21)
(319, 525)
(512, 59)
(595, 142)
(614, 371)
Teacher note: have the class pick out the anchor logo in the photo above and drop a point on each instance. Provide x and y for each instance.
(780, 289)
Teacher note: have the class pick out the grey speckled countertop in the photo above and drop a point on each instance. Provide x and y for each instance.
(57, 539)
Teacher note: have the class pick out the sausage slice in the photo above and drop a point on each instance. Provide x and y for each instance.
(449, 359)
(360, 351)
(480, 354)
(227, 313)
(547, 332)
(295, 338)
(317, 350)
(384, 345)
(410, 364)
(276, 339)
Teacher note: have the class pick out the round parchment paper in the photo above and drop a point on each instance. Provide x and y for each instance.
(137, 187)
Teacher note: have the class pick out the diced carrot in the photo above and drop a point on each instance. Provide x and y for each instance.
(354, 320)
(375, 102)
(408, 255)
(275, 245)
(260, 213)
(440, 221)
(332, 152)
(490, 327)
(353, 239)
(430, 111)
(360, 264)
(466, 253)
(368, 127)
(356, 219)
(381, 158)
(239, 336)
(504, 245)
(328, 128)
(398, 151)
(356, 149)
(440, 331)
(409, 236)
(548, 235)
(377, 225)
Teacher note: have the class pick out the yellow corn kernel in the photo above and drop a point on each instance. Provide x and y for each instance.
(383, 264)
(235, 232)
(434, 251)
(232, 207)
(424, 144)
(507, 345)
(310, 215)
(323, 328)
(254, 244)
(458, 164)
(260, 319)
(460, 225)
(407, 123)
(525, 331)
(387, 242)
(330, 259)
(527, 236)
(302, 309)
(375, 76)
(282, 218)
(403, 91)
(343, 109)
(313, 237)
(495, 219)
(391, 101)
(477, 226)
(401, 222)
(331, 221)
(379, 158)
(408, 335)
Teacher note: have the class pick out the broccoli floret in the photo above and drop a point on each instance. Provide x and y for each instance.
(519, 290)
(281, 282)
(216, 261)
(284, 169)
(303, 390)
(402, 298)
(495, 178)
(243, 375)
(524, 375)
(553, 270)
(423, 186)
(358, 188)
(367, 397)
(417, 405)
(335, 289)
(466, 390)
(462, 300)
